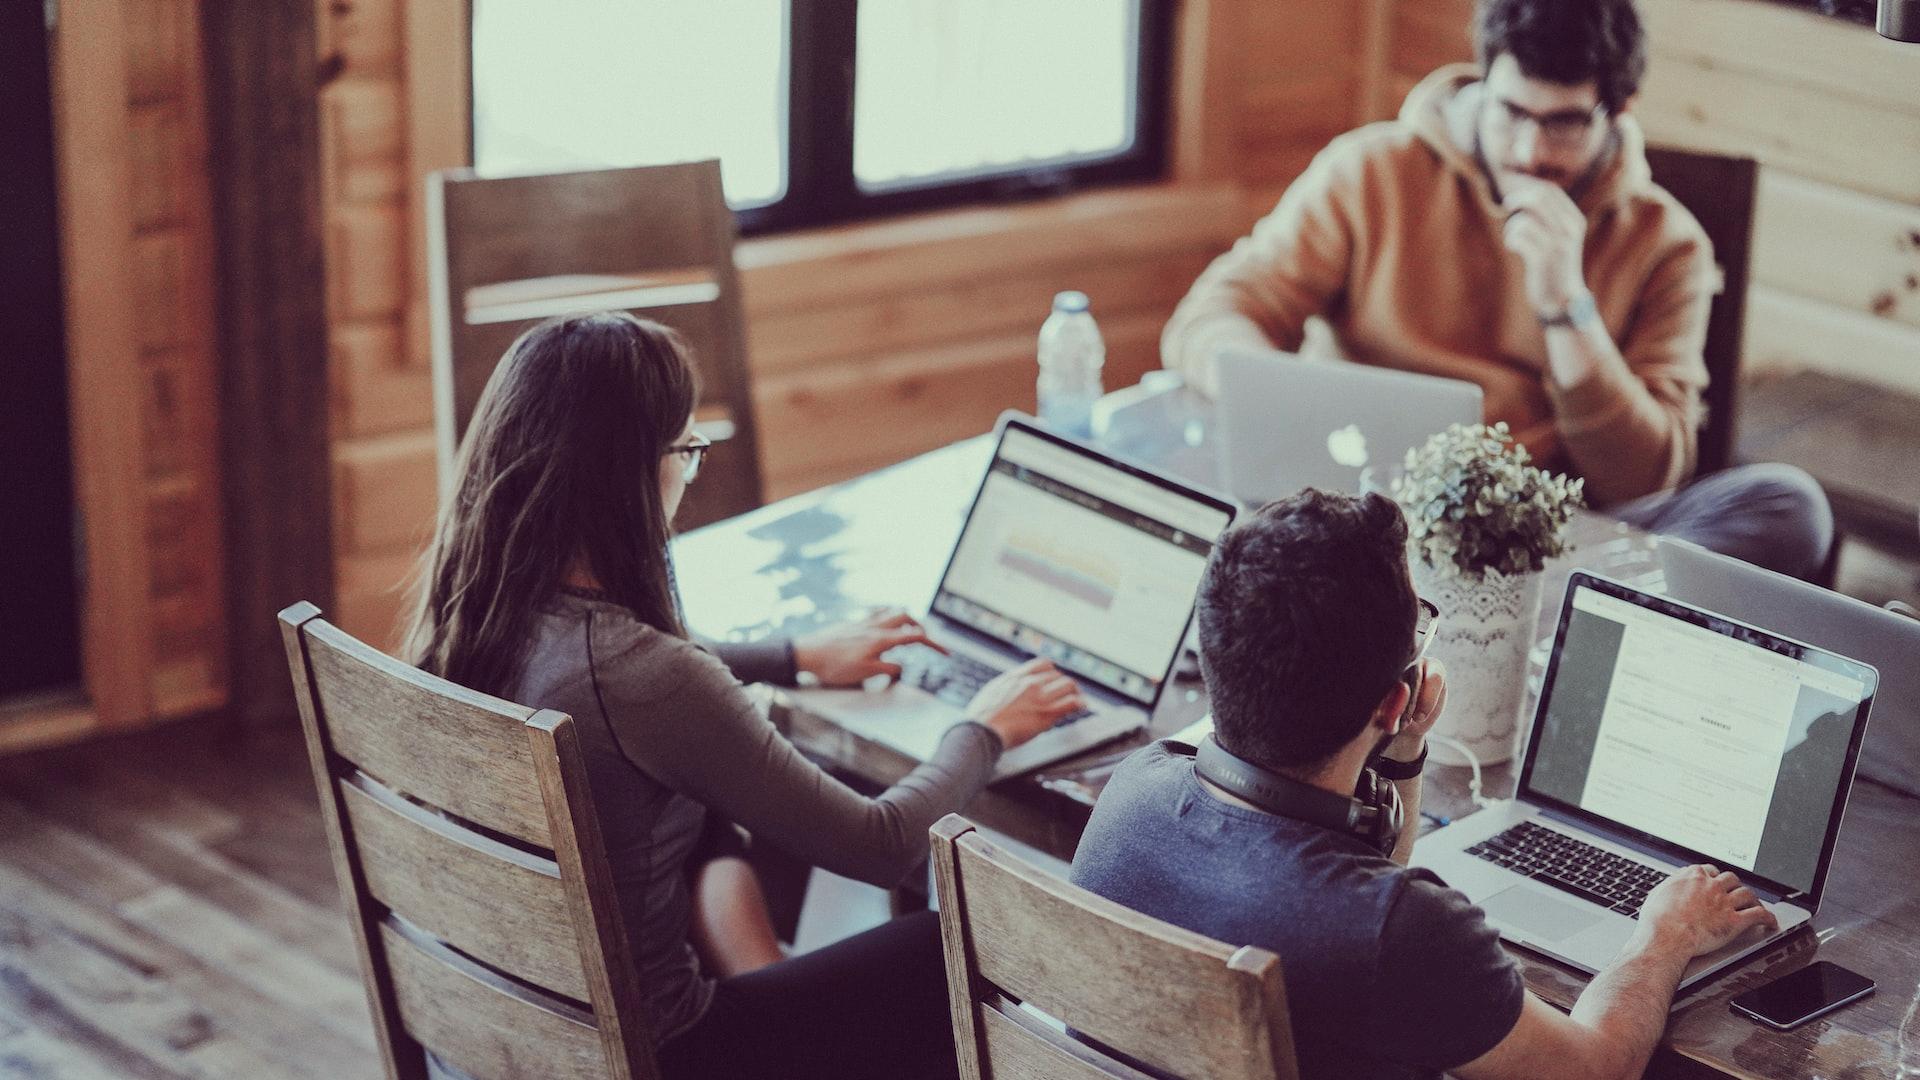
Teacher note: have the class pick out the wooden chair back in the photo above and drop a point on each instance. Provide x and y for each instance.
(506, 252)
(1719, 191)
(470, 860)
(1173, 1000)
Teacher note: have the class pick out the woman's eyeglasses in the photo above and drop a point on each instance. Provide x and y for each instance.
(695, 449)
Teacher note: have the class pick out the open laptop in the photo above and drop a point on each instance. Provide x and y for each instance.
(1664, 736)
(1283, 423)
(1066, 553)
(1797, 609)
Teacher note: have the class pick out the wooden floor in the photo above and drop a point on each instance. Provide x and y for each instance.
(167, 909)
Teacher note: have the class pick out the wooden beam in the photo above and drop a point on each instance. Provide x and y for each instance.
(91, 125)
(439, 100)
(1375, 100)
(1202, 126)
(262, 94)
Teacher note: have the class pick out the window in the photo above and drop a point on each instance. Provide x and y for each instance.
(828, 110)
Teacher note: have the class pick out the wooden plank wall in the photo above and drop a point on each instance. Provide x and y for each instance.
(172, 263)
(873, 342)
(1832, 112)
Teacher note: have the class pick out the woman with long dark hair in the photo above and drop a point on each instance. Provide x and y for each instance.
(550, 583)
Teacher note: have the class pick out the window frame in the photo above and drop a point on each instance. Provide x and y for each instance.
(821, 188)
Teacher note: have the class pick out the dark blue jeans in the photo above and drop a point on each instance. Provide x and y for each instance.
(1774, 516)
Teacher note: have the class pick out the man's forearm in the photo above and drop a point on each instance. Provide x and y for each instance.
(1410, 824)
(1626, 1005)
(1577, 353)
(1192, 340)
(1618, 435)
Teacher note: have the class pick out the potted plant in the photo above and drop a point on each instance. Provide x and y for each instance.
(1482, 521)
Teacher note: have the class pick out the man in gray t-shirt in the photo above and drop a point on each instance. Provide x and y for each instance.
(1307, 619)
(1389, 973)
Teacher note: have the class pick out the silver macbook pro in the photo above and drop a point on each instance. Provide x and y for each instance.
(1066, 553)
(1664, 736)
(1817, 616)
(1283, 423)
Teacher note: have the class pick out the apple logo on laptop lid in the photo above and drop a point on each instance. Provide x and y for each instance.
(1347, 446)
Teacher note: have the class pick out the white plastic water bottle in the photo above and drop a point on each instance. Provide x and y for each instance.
(1071, 355)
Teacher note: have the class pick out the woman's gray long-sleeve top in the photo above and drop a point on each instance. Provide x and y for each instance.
(670, 736)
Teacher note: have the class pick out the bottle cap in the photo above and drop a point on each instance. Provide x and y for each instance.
(1072, 301)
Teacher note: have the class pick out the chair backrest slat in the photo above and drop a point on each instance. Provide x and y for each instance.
(465, 840)
(428, 739)
(599, 221)
(1025, 1046)
(1169, 998)
(657, 240)
(485, 1025)
(495, 903)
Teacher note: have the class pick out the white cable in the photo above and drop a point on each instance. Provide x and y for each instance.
(1473, 762)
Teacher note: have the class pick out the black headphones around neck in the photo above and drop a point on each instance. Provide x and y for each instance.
(1374, 813)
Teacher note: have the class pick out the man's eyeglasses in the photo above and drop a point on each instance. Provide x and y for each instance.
(1564, 128)
(695, 450)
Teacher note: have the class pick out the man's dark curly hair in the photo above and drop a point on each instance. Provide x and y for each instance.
(1306, 619)
(1568, 42)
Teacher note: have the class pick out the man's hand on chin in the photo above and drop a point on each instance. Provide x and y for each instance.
(1549, 233)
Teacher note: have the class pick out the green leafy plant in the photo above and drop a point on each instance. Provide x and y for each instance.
(1476, 504)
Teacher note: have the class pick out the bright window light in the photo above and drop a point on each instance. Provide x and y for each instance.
(945, 89)
(586, 84)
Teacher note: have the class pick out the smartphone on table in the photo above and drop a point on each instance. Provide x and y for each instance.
(1800, 996)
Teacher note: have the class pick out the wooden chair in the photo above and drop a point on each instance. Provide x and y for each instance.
(1120, 981)
(467, 850)
(505, 253)
(1720, 192)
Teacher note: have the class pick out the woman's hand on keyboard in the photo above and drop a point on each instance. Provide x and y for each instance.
(1023, 702)
(849, 654)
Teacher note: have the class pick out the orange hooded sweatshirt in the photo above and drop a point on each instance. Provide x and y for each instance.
(1393, 235)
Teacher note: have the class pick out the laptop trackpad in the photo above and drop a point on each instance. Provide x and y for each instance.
(1538, 915)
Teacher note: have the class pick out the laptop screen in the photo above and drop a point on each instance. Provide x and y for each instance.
(1093, 564)
(1734, 746)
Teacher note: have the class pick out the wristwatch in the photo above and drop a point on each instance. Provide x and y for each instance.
(1579, 313)
(1390, 769)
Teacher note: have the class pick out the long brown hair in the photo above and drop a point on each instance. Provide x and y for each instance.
(561, 464)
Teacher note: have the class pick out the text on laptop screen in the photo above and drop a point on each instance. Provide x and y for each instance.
(1074, 560)
(1716, 744)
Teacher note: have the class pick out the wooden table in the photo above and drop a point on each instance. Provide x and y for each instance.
(883, 538)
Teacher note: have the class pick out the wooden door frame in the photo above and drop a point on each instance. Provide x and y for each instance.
(88, 54)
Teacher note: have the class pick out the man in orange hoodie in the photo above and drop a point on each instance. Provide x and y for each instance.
(1505, 229)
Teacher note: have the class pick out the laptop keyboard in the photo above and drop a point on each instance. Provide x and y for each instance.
(952, 677)
(1553, 858)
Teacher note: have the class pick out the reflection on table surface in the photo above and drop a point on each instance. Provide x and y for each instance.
(883, 539)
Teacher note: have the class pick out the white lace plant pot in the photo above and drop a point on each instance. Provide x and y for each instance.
(1486, 628)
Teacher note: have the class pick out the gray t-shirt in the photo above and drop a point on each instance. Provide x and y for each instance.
(1389, 973)
(672, 739)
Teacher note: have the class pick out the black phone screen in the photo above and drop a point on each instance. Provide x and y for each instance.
(1799, 996)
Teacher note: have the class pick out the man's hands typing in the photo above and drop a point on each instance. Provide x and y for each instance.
(1698, 910)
